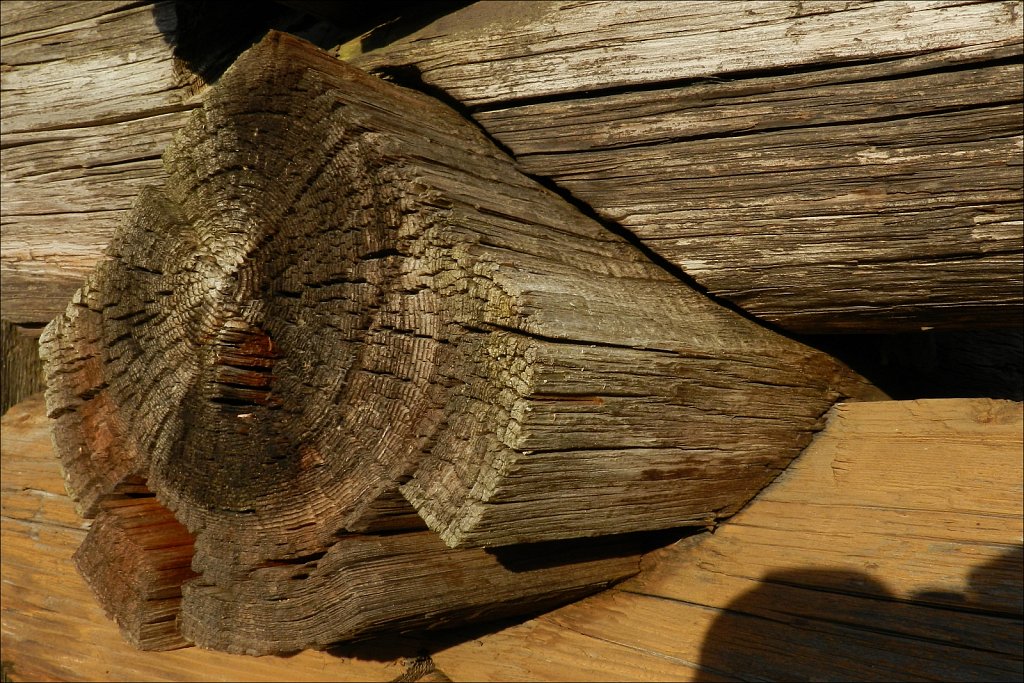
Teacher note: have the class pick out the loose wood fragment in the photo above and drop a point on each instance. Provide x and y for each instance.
(136, 558)
(841, 167)
(393, 302)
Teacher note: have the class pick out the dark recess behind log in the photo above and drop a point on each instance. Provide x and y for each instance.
(208, 36)
(935, 364)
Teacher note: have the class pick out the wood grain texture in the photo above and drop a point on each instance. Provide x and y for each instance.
(400, 584)
(52, 627)
(829, 167)
(92, 93)
(889, 550)
(403, 307)
(772, 594)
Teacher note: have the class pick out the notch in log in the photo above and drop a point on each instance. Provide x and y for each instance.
(344, 293)
(135, 559)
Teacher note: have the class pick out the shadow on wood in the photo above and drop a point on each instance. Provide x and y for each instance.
(776, 631)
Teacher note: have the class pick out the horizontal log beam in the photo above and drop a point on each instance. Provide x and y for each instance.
(835, 168)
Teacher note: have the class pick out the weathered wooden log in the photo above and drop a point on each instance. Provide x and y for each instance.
(829, 167)
(92, 93)
(136, 558)
(278, 341)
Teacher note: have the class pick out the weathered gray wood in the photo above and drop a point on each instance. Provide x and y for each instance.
(829, 167)
(391, 303)
(92, 93)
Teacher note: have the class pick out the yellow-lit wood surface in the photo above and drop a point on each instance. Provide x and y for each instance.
(890, 550)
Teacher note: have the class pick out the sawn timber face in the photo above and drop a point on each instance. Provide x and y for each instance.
(347, 311)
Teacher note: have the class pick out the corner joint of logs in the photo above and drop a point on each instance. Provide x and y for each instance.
(347, 337)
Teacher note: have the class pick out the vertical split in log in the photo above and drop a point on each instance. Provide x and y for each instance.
(136, 558)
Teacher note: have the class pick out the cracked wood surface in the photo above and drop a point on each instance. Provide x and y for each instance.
(403, 308)
(828, 167)
(390, 325)
(889, 550)
(92, 93)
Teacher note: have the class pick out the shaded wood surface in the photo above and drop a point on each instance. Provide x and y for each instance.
(21, 370)
(889, 550)
(826, 166)
(986, 363)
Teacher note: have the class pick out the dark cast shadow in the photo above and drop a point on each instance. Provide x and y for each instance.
(827, 625)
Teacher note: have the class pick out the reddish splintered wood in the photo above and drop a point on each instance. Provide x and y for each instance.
(136, 558)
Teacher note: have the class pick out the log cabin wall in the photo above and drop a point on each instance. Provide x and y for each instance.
(58, 216)
(827, 167)
(634, 150)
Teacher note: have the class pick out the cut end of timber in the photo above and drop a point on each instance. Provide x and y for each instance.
(389, 324)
